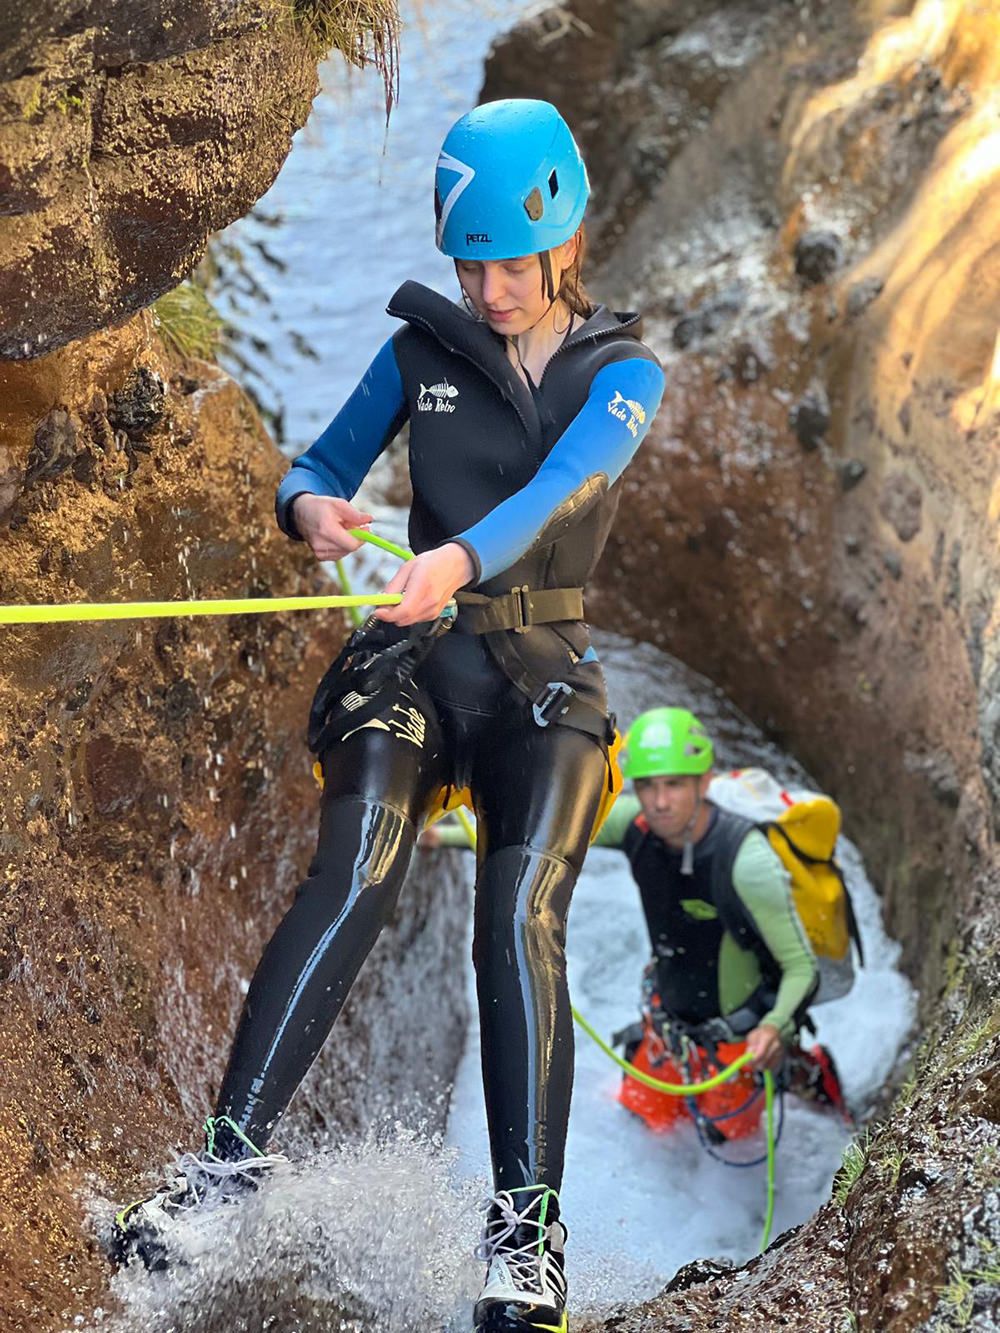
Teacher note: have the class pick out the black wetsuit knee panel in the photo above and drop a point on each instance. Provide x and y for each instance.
(521, 892)
(370, 835)
(313, 957)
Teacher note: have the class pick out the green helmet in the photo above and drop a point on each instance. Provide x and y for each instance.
(667, 742)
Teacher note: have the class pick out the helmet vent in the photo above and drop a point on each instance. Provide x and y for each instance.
(553, 183)
(533, 205)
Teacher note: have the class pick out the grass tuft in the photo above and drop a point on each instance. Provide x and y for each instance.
(366, 32)
(188, 322)
(958, 1295)
(854, 1162)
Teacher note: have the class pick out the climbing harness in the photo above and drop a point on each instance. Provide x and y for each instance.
(554, 701)
(692, 1090)
(377, 661)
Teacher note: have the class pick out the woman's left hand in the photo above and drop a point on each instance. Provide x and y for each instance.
(428, 582)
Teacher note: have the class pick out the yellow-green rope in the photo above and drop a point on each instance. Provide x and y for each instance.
(80, 612)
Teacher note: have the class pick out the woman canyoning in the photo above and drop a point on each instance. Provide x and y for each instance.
(525, 404)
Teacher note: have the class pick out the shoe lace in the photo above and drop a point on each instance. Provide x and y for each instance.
(501, 1239)
(199, 1173)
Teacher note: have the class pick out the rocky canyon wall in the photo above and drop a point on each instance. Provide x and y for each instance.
(156, 803)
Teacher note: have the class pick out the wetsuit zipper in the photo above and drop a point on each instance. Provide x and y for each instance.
(579, 341)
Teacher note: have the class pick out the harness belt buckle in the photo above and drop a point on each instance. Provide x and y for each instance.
(522, 609)
(553, 702)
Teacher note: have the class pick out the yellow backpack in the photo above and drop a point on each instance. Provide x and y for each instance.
(803, 827)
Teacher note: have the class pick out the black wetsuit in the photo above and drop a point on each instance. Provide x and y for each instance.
(524, 480)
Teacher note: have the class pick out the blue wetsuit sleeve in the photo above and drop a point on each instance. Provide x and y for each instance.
(341, 458)
(587, 459)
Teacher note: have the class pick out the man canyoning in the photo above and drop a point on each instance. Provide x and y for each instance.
(525, 403)
(732, 963)
(733, 967)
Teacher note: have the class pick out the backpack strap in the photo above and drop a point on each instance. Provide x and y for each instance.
(731, 832)
(737, 920)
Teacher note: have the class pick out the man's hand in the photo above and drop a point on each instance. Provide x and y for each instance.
(428, 582)
(766, 1046)
(324, 521)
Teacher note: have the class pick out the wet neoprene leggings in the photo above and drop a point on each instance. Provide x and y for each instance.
(536, 792)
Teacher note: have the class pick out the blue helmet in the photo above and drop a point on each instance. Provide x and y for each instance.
(510, 181)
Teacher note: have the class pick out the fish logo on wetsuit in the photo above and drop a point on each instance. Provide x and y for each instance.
(435, 398)
(634, 416)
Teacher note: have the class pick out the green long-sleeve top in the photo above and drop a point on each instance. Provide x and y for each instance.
(764, 889)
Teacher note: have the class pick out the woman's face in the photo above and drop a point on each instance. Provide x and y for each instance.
(510, 293)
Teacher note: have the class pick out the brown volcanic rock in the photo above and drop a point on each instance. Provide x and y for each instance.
(158, 807)
(128, 133)
(636, 82)
(813, 523)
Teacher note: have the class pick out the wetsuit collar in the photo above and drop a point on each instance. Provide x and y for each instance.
(464, 335)
(461, 332)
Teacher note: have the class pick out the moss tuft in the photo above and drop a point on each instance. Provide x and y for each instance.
(853, 1164)
(959, 1295)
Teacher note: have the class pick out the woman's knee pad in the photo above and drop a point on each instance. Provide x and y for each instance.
(364, 845)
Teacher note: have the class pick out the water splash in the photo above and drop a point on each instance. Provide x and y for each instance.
(372, 1235)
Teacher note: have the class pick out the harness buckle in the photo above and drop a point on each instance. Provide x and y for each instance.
(553, 703)
(522, 609)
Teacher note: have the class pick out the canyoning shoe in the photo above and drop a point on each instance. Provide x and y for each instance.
(522, 1243)
(812, 1076)
(217, 1174)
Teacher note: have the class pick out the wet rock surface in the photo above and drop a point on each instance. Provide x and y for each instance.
(159, 809)
(814, 527)
(637, 82)
(128, 134)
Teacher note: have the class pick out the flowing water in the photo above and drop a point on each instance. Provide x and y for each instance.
(391, 1221)
(640, 1205)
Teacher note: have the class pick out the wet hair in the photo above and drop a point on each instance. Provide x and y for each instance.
(571, 288)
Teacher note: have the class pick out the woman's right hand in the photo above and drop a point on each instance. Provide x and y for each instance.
(324, 521)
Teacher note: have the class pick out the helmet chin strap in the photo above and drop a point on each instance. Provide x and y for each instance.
(548, 285)
(687, 856)
(551, 295)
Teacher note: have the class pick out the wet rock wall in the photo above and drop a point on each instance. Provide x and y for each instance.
(129, 132)
(157, 807)
(803, 199)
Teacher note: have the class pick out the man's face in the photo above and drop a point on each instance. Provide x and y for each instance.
(669, 803)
